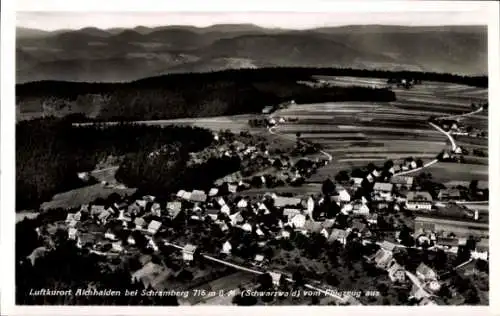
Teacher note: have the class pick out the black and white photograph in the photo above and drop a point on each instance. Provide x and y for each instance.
(251, 158)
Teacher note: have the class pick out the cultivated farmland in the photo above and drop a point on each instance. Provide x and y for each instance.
(357, 133)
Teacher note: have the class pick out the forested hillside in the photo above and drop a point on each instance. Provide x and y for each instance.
(50, 152)
(209, 94)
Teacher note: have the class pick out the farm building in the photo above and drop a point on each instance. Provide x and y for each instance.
(281, 201)
(402, 181)
(226, 248)
(418, 201)
(446, 227)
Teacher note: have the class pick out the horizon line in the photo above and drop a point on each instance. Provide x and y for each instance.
(249, 24)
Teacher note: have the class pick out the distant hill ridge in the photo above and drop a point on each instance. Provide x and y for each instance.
(118, 54)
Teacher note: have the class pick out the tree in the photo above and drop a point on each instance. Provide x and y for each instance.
(265, 281)
(328, 187)
(298, 278)
(420, 163)
(406, 238)
(342, 176)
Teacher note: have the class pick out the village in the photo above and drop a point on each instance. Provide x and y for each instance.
(383, 208)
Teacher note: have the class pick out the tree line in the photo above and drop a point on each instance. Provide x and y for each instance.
(193, 95)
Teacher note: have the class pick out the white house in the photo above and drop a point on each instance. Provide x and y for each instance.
(383, 189)
(347, 208)
(225, 209)
(117, 247)
(247, 227)
(276, 277)
(360, 209)
(242, 203)
(131, 240)
(72, 233)
(226, 248)
(298, 221)
(339, 235)
(110, 235)
(152, 245)
(344, 196)
(188, 252)
(213, 192)
(310, 205)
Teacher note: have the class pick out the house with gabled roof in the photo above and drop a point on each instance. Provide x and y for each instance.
(425, 273)
(236, 218)
(344, 196)
(247, 227)
(312, 226)
(227, 248)
(360, 209)
(212, 213)
(418, 293)
(72, 233)
(298, 221)
(243, 203)
(418, 201)
(339, 235)
(153, 227)
(289, 213)
(382, 258)
(356, 182)
(188, 252)
(139, 222)
(282, 201)
(402, 181)
(396, 272)
(198, 196)
(104, 216)
(383, 189)
(225, 209)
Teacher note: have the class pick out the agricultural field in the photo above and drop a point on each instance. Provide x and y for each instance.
(445, 172)
(357, 133)
(84, 195)
(234, 123)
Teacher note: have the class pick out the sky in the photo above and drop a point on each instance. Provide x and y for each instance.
(290, 20)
